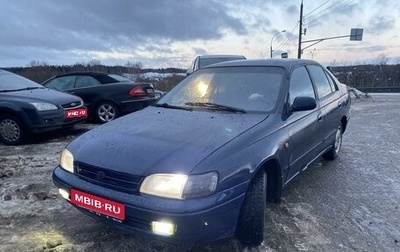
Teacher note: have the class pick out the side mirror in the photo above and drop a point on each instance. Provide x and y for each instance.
(303, 103)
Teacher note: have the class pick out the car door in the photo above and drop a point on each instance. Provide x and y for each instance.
(302, 126)
(87, 87)
(328, 98)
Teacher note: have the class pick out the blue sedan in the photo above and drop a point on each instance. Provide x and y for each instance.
(201, 163)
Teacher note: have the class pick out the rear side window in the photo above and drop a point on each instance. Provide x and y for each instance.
(83, 81)
(300, 84)
(321, 82)
(332, 82)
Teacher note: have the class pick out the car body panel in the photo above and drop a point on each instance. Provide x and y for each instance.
(18, 103)
(191, 139)
(202, 220)
(40, 121)
(174, 136)
(104, 88)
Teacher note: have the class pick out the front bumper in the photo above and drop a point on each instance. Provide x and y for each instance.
(197, 220)
(44, 121)
(54, 122)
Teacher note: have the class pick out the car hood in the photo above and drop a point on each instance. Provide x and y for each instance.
(44, 95)
(160, 140)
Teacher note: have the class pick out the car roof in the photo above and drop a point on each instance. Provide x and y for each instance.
(210, 56)
(285, 63)
(91, 73)
(102, 77)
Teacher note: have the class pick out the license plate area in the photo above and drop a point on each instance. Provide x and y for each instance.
(98, 204)
(76, 113)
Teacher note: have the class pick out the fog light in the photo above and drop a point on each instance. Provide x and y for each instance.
(64, 193)
(163, 228)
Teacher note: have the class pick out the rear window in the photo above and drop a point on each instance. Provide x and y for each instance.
(119, 77)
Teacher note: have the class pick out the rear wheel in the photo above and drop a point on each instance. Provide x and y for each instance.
(12, 131)
(250, 228)
(337, 145)
(106, 112)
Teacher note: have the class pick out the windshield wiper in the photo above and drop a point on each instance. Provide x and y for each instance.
(20, 89)
(166, 105)
(28, 88)
(216, 106)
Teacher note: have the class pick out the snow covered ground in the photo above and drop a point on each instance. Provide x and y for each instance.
(351, 204)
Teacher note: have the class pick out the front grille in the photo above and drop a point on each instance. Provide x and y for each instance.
(70, 105)
(111, 179)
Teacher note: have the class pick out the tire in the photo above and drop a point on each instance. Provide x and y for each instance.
(12, 131)
(250, 228)
(106, 112)
(333, 153)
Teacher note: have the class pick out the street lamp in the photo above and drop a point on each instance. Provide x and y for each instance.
(270, 47)
(312, 53)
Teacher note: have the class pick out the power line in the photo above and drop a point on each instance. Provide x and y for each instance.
(316, 9)
(321, 12)
(330, 9)
(290, 40)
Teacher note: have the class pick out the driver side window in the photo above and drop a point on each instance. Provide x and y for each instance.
(300, 84)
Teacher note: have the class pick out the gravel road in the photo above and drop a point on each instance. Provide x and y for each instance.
(350, 204)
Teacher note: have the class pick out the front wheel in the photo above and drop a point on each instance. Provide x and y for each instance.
(106, 112)
(12, 131)
(333, 153)
(250, 228)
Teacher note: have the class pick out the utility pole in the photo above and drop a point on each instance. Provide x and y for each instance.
(356, 34)
(300, 30)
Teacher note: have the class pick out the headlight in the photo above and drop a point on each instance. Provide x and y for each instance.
(44, 106)
(67, 161)
(178, 186)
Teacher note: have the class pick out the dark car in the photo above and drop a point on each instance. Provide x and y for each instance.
(205, 60)
(27, 107)
(107, 96)
(201, 163)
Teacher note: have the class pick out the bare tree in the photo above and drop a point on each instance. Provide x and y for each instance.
(133, 70)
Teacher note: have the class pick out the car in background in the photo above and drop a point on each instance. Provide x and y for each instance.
(205, 60)
(107, 96)
(27, 108)
(201, 163)
(158, 93)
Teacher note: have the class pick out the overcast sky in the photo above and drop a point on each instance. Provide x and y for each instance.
(170, 33)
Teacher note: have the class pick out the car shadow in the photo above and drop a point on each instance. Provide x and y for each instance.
(67, 134)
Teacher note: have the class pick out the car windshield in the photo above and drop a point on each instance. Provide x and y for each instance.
(119, 78)
(13, 82)
(208, 61)
(234, 89)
